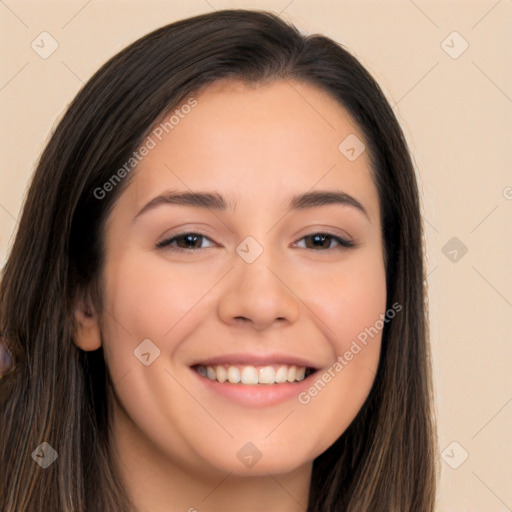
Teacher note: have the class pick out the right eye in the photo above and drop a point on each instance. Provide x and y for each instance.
(188, 240)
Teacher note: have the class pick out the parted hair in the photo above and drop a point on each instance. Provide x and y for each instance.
(385, 461)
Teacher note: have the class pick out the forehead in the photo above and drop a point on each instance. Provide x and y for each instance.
(255, 142)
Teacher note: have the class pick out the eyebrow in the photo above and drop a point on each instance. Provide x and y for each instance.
(214, 201)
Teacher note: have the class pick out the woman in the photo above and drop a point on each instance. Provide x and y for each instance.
(258, 372)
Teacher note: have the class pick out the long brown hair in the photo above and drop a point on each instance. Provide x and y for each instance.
(386, 460)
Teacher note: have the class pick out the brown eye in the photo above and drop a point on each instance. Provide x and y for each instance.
(320, 241)
(191, 242)
(184, 242)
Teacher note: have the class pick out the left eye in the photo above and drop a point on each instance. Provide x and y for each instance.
(192, 241)
(319, 241)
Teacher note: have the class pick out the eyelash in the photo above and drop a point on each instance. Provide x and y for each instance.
(343, 243)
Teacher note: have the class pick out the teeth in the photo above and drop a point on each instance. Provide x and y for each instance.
(251, 375)
(281, 374)
(266, 375)
(221, 374)
(233, 375)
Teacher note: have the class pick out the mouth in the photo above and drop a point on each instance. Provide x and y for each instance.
(254, 380)
(254, 375)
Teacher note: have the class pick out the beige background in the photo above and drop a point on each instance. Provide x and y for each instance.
(457, 116)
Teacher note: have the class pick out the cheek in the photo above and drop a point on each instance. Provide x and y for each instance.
(351, 300)
(352, 308)
(351, 304)
(144, 301)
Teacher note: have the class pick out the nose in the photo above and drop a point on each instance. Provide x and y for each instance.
(258, 294)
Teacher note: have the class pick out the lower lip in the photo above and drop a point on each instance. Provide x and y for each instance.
(256, 395)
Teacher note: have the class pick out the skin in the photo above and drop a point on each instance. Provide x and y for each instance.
(176, 440)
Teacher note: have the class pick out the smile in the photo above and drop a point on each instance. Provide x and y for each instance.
(254, 375)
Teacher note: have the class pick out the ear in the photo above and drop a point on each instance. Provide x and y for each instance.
(87, 335)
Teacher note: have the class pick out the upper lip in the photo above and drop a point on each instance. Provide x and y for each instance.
(257, 360)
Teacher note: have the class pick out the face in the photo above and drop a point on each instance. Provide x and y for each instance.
(249, 284)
